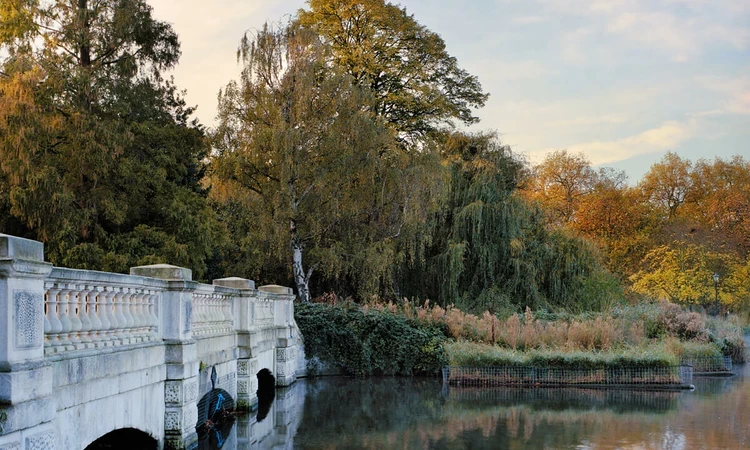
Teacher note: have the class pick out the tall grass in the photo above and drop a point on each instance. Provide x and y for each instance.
(463, 353)
(679, 332)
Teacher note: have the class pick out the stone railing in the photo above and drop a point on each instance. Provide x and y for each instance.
(87, 309)
(55, 322)
(213, 310)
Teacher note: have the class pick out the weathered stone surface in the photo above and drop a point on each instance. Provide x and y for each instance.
(276, 289)
(163, 272)
(235, 282)
(12, 247)
(20, 386)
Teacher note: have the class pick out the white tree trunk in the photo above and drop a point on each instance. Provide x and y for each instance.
(303, 290)
(300, 277)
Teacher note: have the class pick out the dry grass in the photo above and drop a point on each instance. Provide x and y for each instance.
(523, 331)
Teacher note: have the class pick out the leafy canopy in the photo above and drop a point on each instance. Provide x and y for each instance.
(418, 86)
(98, 156)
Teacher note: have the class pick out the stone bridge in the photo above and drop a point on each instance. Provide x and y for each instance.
(85, 354)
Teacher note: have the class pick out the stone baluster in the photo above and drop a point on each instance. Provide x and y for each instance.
(134, 311)
(212, 316)
(143, 318)
(199, 319)
(120, 322)
(127, 301)
(52, 331)
(137, 312)
(153, 323)
(74, 312)
(96, 312)
(228, 312)
(105, 314)
(65, 320)
(84, 335)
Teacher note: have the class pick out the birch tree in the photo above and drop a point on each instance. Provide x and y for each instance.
(299, 146)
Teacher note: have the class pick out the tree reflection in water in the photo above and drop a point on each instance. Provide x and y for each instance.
(417, 413)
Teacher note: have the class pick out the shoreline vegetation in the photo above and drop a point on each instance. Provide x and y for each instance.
(408, 339)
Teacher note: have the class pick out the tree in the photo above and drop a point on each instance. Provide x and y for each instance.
(560, 182)
(98, 156)
(418, 86)
(299, 144)
(668, 183)
(683, 273)
(491, 250)
(720, 201)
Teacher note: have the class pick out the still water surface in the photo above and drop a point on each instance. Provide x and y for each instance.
(396, 413)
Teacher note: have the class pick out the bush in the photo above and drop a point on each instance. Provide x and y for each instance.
(369, 342)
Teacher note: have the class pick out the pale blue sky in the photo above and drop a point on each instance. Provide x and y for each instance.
(623, 81)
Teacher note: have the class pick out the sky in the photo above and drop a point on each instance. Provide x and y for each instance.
(623, 81)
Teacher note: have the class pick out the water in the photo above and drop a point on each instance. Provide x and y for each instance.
(386, 413)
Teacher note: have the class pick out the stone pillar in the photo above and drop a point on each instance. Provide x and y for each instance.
(26, 405)
(181, 385)
(247, 382)
(283, 316)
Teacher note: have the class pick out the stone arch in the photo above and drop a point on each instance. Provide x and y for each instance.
(124, 439)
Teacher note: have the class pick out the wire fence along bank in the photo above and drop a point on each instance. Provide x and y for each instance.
(705, 365)
(671, 377)
(565, 398)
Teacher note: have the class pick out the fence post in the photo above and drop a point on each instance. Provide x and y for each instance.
(181, 385)
(26, 405)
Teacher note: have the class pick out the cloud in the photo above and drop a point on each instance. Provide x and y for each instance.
(734, 90)
(530, 20)
(684, 29)
(664, 137)
(573, 46)
(209, 33)
(497, 70)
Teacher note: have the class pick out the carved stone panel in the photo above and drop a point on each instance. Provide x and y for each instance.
(191, 391)
(172, 392)
(29, 312)
(11, 446)
(242, 367)
(172, 421)
(41, 441)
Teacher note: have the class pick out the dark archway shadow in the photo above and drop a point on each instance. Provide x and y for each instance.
(215, 417)
(266, 393)
(124, 439)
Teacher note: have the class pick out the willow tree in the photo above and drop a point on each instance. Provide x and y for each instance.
(491, 250)
(98, 155)
(300, 148)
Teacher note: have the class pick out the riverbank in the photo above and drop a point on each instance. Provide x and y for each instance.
(404, 339)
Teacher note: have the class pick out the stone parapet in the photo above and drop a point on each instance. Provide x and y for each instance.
(73, 343)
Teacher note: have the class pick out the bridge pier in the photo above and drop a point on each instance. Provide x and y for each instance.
(27, 407)
(181, 358)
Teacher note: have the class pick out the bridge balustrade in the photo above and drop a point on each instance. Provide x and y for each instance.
(87, 309)
(128, 351)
